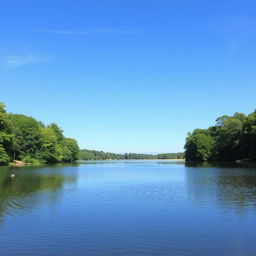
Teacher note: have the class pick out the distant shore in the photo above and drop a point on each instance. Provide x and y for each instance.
(122, 160)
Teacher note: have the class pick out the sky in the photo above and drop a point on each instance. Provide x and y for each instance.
(128, 75)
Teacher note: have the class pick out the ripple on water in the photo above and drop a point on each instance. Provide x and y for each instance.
(15, 205)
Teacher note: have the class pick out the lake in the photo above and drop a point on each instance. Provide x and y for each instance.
(128, 208)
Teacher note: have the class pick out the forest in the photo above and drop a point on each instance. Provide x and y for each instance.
(232, 138)
(24, 138)
(86, 154)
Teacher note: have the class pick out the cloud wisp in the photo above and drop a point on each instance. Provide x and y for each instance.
(235, 32)
(93, 32)
(17, 61)
(236, 28)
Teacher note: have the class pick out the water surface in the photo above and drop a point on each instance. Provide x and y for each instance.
(128, 208)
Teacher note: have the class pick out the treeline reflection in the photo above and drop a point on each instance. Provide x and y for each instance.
(29, 187)
(231, 187)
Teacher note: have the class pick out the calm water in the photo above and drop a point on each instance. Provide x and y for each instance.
(128, 208)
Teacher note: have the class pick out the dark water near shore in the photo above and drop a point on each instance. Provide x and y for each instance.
(128, 208)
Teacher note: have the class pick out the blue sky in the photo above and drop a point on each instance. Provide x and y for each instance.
(128, 76)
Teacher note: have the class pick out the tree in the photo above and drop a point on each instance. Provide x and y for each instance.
(234, 138)
(6, 138)
(23, 137)
(27, 136)
(199, 147)
(48, 151)
(227, 138)
(248, 139)
(4, 158)
(70, 150)
(58, 132)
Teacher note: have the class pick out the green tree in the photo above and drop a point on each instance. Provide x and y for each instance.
(6, 138)
(27, 136)
(227, 137)
(70, 150)
(248, 140)
(48, 152)
(234, 137)
(58, 132)
(199, 147)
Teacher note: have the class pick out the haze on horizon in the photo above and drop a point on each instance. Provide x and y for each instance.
(128, 76)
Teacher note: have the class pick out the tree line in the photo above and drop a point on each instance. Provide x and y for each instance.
(232, 138)
(86, 154)
(24, 138)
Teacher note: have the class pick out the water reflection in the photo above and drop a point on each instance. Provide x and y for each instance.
(231, 187)
(30, 186)
(131, 162)
(131, 208)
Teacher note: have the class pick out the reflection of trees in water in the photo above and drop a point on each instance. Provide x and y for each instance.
(231, 188)
(29, 188)
(175, 162)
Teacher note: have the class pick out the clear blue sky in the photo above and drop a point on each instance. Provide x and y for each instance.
(128, 75)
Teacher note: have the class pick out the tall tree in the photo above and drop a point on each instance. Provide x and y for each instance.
(28, 136)
(6, 138)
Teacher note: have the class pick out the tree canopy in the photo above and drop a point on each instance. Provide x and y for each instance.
(24, 138)
(231, 138)
(87, 154)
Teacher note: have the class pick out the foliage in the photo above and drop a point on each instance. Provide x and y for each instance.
(6, 138)
(27, 132)
(4, 158)
(24, 138)
(231, 138)
(70, 150)
(199, 147)
(30, 160)
(87, 154)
